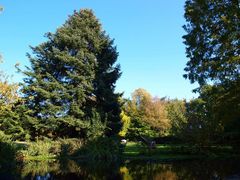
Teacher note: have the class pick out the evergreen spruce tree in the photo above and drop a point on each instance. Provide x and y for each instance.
(107, 102)
(9, 121)
(72, 75)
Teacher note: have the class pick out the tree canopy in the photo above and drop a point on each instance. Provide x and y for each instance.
(72, 77)
(213, 48)
(148, 115)
(212, 40)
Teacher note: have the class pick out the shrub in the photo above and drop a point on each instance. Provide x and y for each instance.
(102, 148)
(7, 150)
(47, 148)
(69, 147)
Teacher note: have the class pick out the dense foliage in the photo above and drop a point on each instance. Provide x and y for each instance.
(69, 90)
(212, 40)
(212, 46)
(176, 112)
(10, 111)
(71, 80)
(147, 115)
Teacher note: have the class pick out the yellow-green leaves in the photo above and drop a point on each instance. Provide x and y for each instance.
(126, 120)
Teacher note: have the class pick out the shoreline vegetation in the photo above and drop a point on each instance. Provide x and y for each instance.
(74, 149)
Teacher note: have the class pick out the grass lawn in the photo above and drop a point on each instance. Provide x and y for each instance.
(135, 150)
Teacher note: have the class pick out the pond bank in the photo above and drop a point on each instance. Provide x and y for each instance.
(73, 149)
(162, 153)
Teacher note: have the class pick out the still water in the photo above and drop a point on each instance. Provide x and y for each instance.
(128, 170)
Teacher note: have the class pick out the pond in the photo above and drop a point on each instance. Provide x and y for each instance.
(69, 169)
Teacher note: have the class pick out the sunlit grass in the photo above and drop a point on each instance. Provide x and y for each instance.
(174, 151)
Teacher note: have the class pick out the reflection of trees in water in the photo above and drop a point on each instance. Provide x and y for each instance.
(33, 169)
(148, 170)
(69, 169)
(93, 169)
(167, 175)
(185, 170)
(211, 169)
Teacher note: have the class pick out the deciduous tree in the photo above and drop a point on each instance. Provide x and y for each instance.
(148, 115)
(213, 48)
(212, 40)
(176, 113)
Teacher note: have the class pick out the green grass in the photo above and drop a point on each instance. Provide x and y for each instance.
(132, 148)
(135, 150)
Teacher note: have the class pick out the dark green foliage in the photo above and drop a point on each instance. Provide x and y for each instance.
(7, 151)
(140, 128)
(16, 122)
(197, 129)
(72, 75)
(176, 113)
(97, 126)
(212, 46)
(9, 123)
(105, 149)
(9, 120)
(212, 40)
(11, 113)
(213, 117)
(48, 149)
(104, 85)
(223, 104)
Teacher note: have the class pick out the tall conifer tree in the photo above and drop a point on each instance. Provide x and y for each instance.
(104, 85)
(72, 75)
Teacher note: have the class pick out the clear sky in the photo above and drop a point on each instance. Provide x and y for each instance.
(148, 35)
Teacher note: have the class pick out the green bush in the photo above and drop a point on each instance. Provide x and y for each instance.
(48, 148)
(69, 147)
(7, 150)
(101, 149)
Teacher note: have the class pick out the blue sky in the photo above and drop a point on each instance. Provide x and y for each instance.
(148, 35)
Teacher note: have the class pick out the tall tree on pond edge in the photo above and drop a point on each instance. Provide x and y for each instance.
(212, 41)
(72, 78)
(213, 48)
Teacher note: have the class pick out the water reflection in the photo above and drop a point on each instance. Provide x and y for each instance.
(128, 170)
(187, 170)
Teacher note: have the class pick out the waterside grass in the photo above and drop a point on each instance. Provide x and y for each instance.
(171, 152)
(99, 150)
